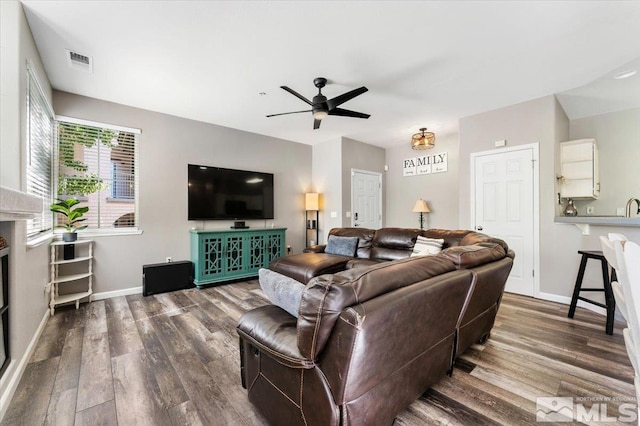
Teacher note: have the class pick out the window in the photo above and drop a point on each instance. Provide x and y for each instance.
(39, 154)
(96, 164)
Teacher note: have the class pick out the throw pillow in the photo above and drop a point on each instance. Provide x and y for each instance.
(427, 246)
(344, 246)
(281, 290)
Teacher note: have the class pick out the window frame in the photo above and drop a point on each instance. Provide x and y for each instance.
(96, 232)
(32, 82)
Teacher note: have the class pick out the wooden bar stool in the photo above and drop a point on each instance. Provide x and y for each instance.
(610, 303)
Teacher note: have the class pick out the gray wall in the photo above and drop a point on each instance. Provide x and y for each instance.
(618, 137)
(360, 156)
(167, 144)
(440, 190)
(327, 180)
(542, 121)
(28, 266)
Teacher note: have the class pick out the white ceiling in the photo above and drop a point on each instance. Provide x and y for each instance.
(425, 63)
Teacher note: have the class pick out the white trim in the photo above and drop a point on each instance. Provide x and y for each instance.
(116, 293)
(367, 172)
(102, 232)
(97, 124)
(536, 201)
(13, 377)
(565, 300)
(31, 69)
(45, 238)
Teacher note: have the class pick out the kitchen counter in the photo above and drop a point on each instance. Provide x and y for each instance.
(584, 222)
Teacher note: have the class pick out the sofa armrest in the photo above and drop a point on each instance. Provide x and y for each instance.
(319, 248)
(273, 331)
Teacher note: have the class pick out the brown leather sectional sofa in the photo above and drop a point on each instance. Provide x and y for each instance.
(374, 336)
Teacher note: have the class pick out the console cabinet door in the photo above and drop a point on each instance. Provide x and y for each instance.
(210, 260)
(274, 247)
(257, 255)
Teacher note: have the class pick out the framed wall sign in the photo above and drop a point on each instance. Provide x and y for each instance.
(436, 163)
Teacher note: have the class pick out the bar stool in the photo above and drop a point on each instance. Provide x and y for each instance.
(610, 303)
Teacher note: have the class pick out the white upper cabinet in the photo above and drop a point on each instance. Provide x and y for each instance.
(579, 169)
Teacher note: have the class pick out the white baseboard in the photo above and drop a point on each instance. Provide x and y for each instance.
(16, 368)
(117, 293)
(567, 301)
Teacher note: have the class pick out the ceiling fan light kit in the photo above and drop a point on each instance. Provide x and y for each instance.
(423, 139)
(321, 107)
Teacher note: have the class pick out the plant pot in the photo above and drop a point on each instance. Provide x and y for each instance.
(69, 237)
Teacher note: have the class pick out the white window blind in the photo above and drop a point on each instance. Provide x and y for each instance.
(39, 154)
(97, 165)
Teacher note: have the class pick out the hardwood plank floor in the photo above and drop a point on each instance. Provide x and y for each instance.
(173, 359)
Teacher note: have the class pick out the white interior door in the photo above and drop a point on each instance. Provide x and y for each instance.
(504, 204)
(366, 199)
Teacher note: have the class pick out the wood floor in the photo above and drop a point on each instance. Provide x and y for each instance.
(172, 359)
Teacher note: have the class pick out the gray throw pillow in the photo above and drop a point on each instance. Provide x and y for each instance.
(281, 290)
(344, 246)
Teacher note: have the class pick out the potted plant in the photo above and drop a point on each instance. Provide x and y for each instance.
(66, 207)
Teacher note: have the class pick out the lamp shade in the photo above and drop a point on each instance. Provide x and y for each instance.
(311, 201)
(421, 206)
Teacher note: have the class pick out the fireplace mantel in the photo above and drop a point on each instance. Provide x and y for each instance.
(17, 205)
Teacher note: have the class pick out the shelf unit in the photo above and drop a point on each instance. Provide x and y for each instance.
(579, 169)
(61, 274)
(311, 220)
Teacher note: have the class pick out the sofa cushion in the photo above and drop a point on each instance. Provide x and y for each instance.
(281, 290)
(326, 296)
(394, 243)
(304, 266)
(452, 238)
(344, 246)
(473, 238)
(365, 236)
(362, 263)
(465, 257)
(427, 246)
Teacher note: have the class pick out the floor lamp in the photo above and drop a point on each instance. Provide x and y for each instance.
(421, 207)
(311, 204)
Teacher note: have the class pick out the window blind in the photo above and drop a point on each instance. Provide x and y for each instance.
(39, 154)
(97, 165)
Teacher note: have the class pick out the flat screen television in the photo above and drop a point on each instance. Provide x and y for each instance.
(224, 194)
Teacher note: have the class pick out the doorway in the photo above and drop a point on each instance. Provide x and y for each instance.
(505, 204)
(366, 199)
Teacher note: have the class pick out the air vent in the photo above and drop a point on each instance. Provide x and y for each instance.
(79, 61)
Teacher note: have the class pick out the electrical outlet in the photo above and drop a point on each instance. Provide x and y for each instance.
(620, 211)
(591, 210)
(168, 259)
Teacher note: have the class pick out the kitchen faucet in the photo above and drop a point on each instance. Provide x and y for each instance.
(628, 209)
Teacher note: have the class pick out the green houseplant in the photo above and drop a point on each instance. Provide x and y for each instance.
(67, 208)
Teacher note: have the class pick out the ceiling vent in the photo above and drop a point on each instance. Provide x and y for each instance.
(79, 61)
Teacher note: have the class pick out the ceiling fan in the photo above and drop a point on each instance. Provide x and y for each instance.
(321, 107)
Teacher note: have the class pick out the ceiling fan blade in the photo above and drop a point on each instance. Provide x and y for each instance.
(285, 113)
(316, 123)
(348, 113)
(338, 100)
(297, 95)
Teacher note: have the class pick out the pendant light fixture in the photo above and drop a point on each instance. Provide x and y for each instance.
(423, 139)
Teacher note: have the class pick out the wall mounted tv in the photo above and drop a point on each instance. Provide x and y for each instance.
(225, 194)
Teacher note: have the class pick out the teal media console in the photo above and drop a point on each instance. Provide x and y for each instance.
(230, 254)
